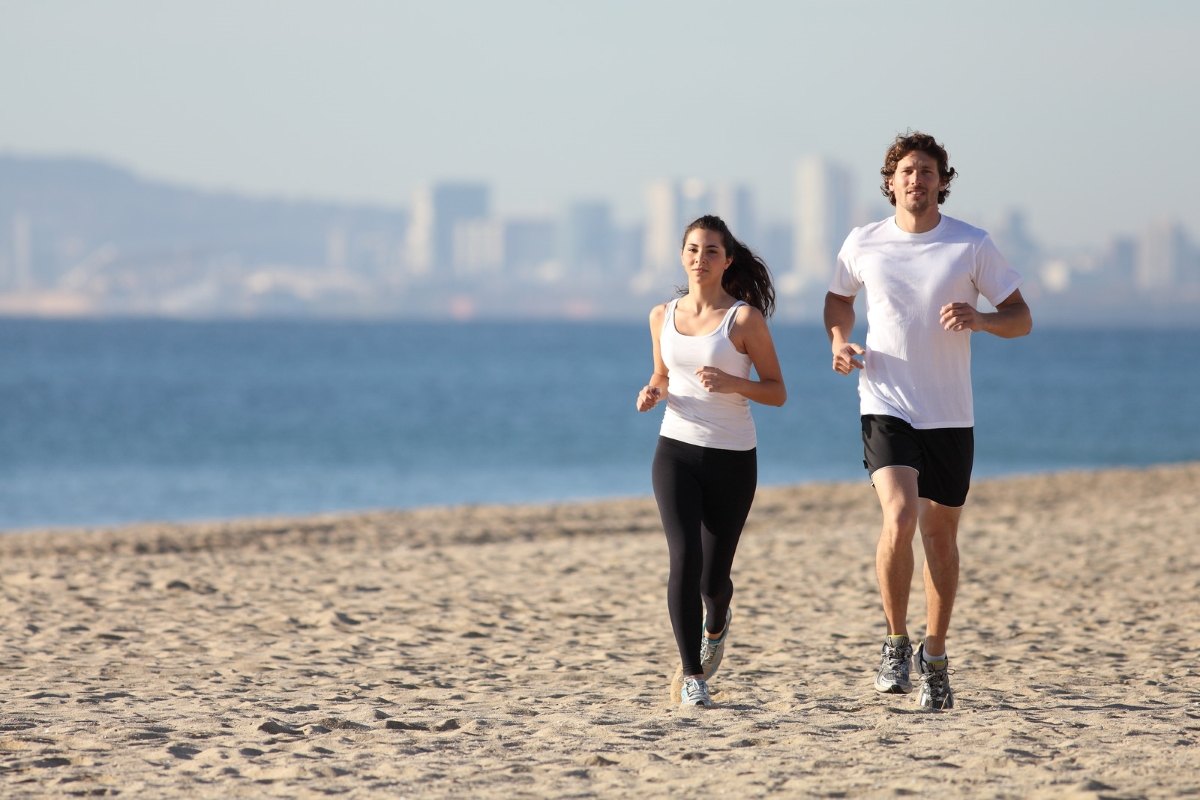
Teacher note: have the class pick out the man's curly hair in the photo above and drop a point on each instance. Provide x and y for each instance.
(915, 141)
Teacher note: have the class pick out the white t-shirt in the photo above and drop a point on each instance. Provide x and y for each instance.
(914, 369)
(694, 414)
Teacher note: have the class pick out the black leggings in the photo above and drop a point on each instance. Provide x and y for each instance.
(704, 496)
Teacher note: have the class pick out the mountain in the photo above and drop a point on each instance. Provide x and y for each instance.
(117, 242)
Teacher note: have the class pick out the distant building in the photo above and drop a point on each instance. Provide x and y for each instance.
(672, 205)
(664, 204)
(478, 248)
(531, 250)
(823, 215)
(1016, 242)
(588, 243)
(775, 245)
(22, 255)
(734, 203)
(1118, 262)
(630, 243)
(437, 211)
(1163, 257)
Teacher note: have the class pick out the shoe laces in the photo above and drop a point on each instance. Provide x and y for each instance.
(709, 647)
(937, 681)
(694, 689)
(897, 655)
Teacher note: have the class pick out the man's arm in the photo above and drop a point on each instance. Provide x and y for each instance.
(1012, 317)
(839, 324)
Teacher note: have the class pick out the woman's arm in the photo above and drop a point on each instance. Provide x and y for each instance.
(656, 388)
(751, 336)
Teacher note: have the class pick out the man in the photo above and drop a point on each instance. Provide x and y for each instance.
(922, 273)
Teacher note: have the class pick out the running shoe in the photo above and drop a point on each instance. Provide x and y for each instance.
(713, 650)
(894, 666)
(695, 693)
(934, 675)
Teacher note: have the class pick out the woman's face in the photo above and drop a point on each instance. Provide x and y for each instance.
(703, 256)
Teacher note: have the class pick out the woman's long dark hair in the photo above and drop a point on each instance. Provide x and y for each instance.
(747, 277)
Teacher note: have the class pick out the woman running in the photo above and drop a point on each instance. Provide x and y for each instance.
(705, 469)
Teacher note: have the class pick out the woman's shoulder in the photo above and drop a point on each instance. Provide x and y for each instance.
(659, 312)
(746, 314)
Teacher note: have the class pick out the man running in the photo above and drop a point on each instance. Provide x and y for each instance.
(922, 274)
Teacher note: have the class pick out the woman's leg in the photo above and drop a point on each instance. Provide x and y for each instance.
(677, 490)
(730, 479)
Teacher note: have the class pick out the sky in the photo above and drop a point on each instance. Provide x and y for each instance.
(1081, 113)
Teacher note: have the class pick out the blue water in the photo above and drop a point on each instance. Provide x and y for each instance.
(104, 422)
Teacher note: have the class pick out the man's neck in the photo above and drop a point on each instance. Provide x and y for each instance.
(910, 223)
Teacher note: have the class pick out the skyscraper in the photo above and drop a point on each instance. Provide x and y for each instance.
(589, 244)
(670, 206)
(1162, 256)
(734, 203)
(22, 238)
(823, 217)
(664, 203)
(437, 211)
(531, 250)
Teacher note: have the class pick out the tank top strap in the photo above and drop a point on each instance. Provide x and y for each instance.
(730, 315)
(669, 317)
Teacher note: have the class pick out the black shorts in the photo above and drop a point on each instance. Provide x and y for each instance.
(942, 457)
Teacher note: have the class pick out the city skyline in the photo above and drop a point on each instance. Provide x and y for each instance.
(1075, 112)
(85, 238)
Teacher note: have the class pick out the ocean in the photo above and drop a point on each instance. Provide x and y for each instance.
(117, 421)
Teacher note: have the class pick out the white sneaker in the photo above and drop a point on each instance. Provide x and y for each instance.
(713, 650)
(695, 693)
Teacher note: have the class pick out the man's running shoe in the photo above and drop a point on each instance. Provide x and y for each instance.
(713, 650)
(694, 693)
(934, 675)
(894, 666)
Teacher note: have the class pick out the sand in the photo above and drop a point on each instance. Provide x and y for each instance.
(525, 651)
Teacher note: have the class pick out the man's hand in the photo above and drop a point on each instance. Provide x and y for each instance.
(961, 317)
(844, 361)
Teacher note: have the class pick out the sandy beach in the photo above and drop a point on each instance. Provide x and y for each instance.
(525, 651)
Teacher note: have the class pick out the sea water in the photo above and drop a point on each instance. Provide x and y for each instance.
(106, 422)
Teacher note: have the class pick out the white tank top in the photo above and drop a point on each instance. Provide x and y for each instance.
(694, 414)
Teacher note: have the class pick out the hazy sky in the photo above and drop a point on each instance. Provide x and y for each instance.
(1082, 112)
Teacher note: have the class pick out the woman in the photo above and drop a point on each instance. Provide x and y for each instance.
(705, 467)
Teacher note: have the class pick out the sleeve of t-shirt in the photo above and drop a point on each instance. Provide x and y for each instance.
(994, 277)
(845, 280)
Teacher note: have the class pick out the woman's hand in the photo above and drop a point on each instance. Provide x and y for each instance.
(648, 397)
(714, 380)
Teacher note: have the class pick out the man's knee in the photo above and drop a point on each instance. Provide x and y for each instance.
(900, 523)
(939, 524)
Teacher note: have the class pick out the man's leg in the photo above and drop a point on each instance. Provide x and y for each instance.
(939, 534)
(897, 490)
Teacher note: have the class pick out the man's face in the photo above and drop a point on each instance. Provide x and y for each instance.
(916, 183)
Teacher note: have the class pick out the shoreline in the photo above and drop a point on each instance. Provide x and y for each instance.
(210, 531)
(525, 651)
